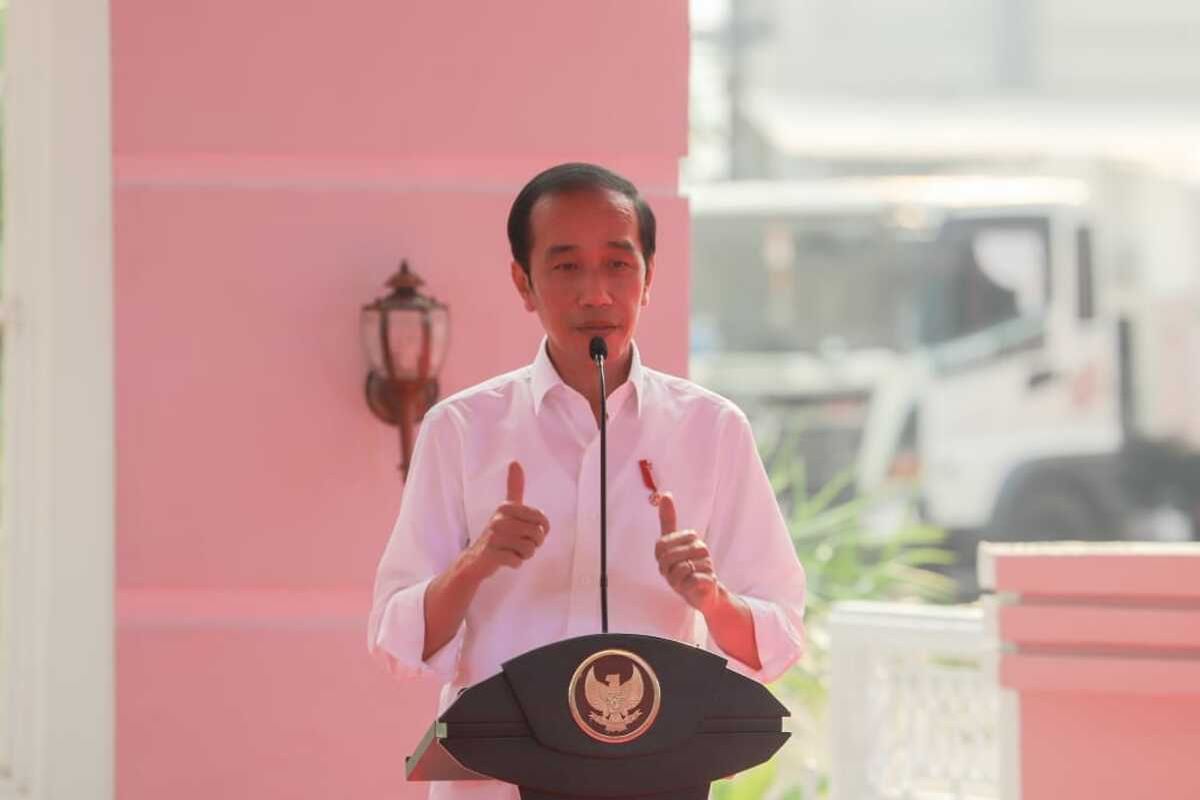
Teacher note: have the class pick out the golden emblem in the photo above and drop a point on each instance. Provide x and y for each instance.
(615, 702)
(614, 696)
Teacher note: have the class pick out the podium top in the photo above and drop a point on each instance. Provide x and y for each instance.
(607, 715)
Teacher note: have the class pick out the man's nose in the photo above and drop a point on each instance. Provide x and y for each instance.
(594, 291)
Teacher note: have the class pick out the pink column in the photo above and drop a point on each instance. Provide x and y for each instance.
(1100, 657)
(273, 162)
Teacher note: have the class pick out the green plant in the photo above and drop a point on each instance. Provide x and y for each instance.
(848, 554)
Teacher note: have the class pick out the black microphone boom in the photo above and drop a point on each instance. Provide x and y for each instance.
(598, 350)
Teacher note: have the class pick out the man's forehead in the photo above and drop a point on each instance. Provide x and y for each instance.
(579, 205)
(587, 195)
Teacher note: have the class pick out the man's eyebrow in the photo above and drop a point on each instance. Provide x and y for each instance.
(619, 244)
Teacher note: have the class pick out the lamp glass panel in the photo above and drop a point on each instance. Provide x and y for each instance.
(439, 334)
(404, 335)
(372, 342)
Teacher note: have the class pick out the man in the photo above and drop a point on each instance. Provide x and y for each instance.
(496, 547)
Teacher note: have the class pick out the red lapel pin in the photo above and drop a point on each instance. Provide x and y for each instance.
(648, 479)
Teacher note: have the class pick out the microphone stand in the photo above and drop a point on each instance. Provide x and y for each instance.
(599, 352)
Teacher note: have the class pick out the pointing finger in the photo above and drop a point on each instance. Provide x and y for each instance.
(666, 512)
(516, 483)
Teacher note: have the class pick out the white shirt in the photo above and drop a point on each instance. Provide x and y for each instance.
(701, 450)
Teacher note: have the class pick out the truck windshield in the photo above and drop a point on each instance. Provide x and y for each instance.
(983, 275)
(816, 282)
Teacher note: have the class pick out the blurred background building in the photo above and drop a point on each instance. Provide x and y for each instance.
(946, 254)
(955, 247)
(783, 89)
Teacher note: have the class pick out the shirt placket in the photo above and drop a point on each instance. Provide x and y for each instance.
(583, 615)
(585, 568)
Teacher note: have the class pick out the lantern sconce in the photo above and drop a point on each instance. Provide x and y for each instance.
(404, 337)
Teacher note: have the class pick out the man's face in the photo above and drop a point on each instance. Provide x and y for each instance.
(589, 277)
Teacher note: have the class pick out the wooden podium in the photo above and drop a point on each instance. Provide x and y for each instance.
(605, 716)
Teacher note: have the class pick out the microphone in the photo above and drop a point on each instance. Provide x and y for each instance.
(598, 351)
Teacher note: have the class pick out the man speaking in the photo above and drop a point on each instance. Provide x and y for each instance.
(496, 550)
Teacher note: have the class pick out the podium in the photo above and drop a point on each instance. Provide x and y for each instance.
(605, 716)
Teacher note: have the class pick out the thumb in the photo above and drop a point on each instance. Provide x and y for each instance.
(516, 483)
(666, 513)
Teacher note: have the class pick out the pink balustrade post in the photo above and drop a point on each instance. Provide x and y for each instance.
(1099, 666)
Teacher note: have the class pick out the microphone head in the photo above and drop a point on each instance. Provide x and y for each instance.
(598, 348)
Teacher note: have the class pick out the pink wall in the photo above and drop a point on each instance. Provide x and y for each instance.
(274, 160)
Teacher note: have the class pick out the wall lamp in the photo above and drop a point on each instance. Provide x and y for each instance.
(404, 337)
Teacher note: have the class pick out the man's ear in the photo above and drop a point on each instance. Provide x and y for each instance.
(649, 280)
(523, 284)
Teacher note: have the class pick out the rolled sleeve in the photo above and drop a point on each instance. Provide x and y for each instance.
(429, 533)
(780, 642)
(753, 553)
(400, 642)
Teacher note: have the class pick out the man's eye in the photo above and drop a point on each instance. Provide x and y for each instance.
(618, 264)
(565, 266)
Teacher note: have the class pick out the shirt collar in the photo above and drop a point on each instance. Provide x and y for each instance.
(545, 377)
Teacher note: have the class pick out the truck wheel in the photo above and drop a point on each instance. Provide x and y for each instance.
(1051, 513)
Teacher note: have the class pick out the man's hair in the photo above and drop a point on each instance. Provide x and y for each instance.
(573, 177)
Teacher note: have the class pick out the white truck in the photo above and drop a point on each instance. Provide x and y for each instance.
(1025, 352)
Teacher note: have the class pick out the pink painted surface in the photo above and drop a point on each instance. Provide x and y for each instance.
(250, 706)
(1111, 673)
(1099, 575)
(655, 175)
(533, 78)
(1081, 627)
(273, 162)
(1100, 746)
(1104, 655)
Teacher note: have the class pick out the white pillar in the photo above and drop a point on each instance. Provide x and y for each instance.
(58, 401)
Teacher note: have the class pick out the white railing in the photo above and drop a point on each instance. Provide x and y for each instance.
(915, 711)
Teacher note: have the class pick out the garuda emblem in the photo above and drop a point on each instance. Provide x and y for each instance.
(614, 696)
(614, 704)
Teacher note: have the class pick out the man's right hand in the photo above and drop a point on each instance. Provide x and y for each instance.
(513, 534)
(511, 537)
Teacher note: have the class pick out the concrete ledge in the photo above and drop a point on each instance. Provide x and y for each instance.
(1083, 627)
(1096, 673)
(1092, 569)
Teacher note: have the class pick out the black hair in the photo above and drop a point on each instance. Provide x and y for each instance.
(573, 177)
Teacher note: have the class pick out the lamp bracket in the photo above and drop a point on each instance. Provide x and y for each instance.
(384, 397)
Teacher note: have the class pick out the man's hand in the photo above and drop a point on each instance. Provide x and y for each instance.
(684, 560)
(513, 534)
(511, 537)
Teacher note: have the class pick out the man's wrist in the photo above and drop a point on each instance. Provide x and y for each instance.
(718, 605)
(467, 572)
(730, 621)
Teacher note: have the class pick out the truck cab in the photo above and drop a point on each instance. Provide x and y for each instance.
(1024, 394)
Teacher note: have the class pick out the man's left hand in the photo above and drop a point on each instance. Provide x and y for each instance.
(684, 560)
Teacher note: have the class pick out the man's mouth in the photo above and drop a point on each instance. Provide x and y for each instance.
(596, 327)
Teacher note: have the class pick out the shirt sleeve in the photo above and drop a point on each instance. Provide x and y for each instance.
(753, 553)
(429, 533)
